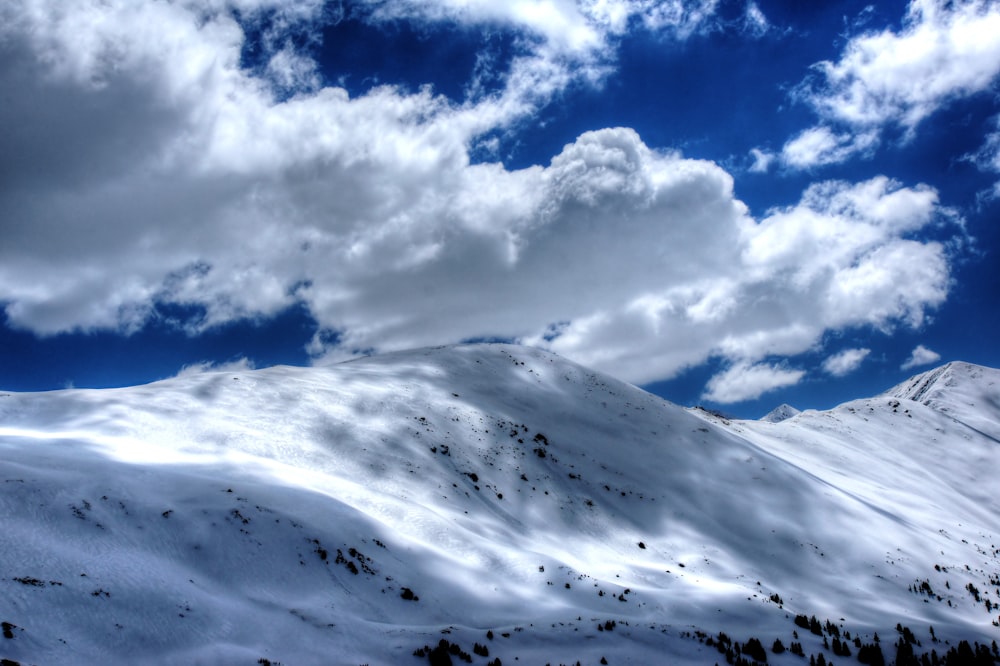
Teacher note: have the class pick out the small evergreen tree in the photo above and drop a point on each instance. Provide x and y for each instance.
(753, 649)
(871, 654)
(904, 654)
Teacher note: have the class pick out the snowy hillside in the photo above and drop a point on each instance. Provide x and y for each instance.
(498, 498)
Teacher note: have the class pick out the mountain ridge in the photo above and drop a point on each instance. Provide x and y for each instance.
(956, 389)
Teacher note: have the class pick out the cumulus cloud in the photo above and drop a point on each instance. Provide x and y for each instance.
(147, 171)
(920, 356)
(944, 51)
(747, 289)
(845, 362)
(745, 381)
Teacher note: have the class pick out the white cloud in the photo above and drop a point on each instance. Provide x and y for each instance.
(845, 362)
(746, 381)
(148, 168)
(819, 145)
(920, 356)
(238, 365)
(945, 51)
(762, 160)
(748, 290)
(840, 233)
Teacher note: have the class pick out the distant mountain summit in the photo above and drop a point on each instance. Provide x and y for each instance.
(938, 383)
(966, 392)
(780, 413)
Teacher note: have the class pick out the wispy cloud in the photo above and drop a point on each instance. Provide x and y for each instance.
(987, 158)
(762, 160)
(238, 365)
(820, 145)
(845, 362)
(745, 381)
(920, 356)
(754, 20)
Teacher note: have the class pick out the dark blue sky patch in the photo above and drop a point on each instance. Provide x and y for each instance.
(824, 21)
(105, 359)
(710, 97)
(358, 56)
(942, 140)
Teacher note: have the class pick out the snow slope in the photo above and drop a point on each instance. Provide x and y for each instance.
(356, 513)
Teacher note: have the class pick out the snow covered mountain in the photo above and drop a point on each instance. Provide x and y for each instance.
(516, 506)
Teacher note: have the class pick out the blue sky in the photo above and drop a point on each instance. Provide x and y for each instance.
(731, 203)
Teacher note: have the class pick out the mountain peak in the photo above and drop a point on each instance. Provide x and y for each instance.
(933, 384)
(780, 413)
(965, 392)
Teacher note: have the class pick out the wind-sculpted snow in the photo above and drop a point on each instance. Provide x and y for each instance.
(363, 512)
